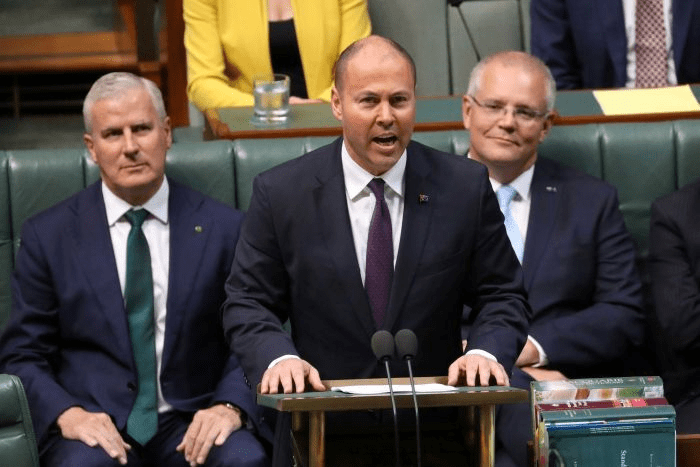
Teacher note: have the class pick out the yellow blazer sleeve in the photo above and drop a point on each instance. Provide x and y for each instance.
(225, 34)
(209, 54)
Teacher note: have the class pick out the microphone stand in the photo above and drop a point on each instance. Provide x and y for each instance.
(396, 417)
(384, 349)
(407, 346)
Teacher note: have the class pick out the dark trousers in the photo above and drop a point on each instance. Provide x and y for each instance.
(241, 449)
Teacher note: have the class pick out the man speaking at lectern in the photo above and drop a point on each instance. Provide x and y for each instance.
(373, 232)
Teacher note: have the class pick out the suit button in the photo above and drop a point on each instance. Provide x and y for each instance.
(131, 387)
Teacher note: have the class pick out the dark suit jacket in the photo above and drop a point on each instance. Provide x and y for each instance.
(579, 273)
(68, 337)
(674, 264)
(296, 259)
(585, 45)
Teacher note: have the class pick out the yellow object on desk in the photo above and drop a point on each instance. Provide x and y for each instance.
(647, 101)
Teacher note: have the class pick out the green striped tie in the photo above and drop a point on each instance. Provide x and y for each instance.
(143, 419)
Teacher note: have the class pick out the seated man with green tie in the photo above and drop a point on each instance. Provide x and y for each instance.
(568, 233)
(115, 329)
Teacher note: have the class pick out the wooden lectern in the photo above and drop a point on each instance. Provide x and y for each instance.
(481, 400)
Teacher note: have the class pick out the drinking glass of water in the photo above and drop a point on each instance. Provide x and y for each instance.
(271, 93)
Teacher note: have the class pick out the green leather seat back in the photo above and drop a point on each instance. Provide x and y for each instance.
(6, 257)
(639, 159)
(253, 156)
(576, 146)
(455, 142)
(38, 179)
(687, 151)
(17, 439)
(207, 167)
(420, 26)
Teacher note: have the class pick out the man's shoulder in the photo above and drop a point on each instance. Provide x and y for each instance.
(443, 161)
(87, 198)
(180, 193)
(574, 180)
(306, 167)
(684, 199)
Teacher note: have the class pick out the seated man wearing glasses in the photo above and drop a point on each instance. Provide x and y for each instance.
(567, 231)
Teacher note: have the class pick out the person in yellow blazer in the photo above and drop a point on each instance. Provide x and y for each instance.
(227, 43)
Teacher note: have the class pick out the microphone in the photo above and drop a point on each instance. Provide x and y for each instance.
(383, 348)
(407, 348)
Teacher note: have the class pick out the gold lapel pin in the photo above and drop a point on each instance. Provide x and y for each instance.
(198, 228)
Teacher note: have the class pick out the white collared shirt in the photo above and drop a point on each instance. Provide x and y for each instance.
(520, 204)
(157, 231)
(361, 202)
(629, 10)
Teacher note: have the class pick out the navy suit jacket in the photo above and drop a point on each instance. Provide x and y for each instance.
(296, 259)
(585, 45)
(68, 337)
(580, 274)
(674, 264)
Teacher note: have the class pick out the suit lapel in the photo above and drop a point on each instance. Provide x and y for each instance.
(334, 221)
(543, 208)
(93, 245)
(188, 238)
(613, 20)
(414, 229)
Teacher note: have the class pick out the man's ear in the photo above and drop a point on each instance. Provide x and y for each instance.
(168, 131)
(466, 111)
(336, 105)
(547, 125)
(90, 144)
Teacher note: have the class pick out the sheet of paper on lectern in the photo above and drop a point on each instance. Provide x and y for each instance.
(372, 389)
(647, 101)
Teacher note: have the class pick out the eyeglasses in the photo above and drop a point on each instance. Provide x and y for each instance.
(522, 115)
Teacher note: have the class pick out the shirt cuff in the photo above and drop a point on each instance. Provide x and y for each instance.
(279, 359)
(543, 361)
(483, 353)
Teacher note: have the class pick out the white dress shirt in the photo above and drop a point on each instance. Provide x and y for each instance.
(361, 202)
(629, 8)
(157, 231)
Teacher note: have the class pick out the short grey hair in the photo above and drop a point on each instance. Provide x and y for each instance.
(113, 85)
(510, 58)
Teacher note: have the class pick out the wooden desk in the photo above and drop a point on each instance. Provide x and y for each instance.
(432, 114)
(484, 399)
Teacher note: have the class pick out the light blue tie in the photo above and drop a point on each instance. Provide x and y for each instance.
(505, 195)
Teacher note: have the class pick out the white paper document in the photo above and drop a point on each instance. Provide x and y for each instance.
(384, 388)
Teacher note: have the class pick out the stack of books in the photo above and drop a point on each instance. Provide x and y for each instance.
(621, 422)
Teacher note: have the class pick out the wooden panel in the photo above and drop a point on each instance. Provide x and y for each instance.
(688, 450)
(177, 102)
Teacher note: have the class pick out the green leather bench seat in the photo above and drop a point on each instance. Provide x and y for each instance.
(17, 441)
(643, 160)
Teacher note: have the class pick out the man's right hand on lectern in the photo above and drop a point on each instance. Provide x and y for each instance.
(290, 375)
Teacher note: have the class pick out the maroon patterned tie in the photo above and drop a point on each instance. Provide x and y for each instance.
(650, 44)
(380, 255)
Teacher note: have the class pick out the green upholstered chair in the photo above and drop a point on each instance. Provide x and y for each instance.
(495, 25)
(17, 441)
(420, 26)
(6, 257)
(257, 155)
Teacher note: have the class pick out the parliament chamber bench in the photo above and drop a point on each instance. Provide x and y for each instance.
(643, 160)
